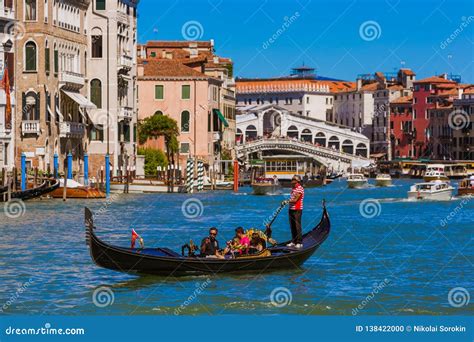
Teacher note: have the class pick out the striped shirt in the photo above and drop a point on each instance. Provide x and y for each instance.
(294, 192)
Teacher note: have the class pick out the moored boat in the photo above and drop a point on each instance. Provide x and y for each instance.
(433, 191)
(47, 186)
(356, 180)
(466, 187)
(76, 190)
(383, 179)
(164, 261)
(266, 186)
(435, 175)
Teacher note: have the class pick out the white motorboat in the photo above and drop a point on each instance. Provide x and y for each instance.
(383, 179)
(433, 191)
(435, 175)
(356, 180)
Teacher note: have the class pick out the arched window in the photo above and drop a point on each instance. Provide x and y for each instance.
(292, 132)
(96, 42)
(320, 139)
(348, 147)
(250, 133)
(361, 150)
(185, 121)
(30, 56)
(96, 92)
(306, 135)
(158, 112)
(30, 10)
(30, 106)
(334, 143)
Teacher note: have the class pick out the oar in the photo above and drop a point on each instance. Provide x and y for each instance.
(268, 230)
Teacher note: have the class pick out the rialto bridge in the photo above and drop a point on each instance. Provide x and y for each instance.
(268, 131)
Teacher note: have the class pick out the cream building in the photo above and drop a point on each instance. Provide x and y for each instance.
(7, 61)
(111, 71)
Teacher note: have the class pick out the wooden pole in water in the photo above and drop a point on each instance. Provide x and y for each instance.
(9, 194)
(35, 181)
(65, 184)
(15, 175)
(3, 176)
(236, 175)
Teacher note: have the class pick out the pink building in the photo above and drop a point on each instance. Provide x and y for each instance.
(168, 87)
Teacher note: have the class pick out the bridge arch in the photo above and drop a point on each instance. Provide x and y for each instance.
(306, 135)
(361, 150)
(320, 139)
(334, 143)
(250, 133)
(292, 132)
(271, 121)
(348, 146)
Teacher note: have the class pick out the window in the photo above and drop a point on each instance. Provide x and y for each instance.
(185, 92)
(184, 148)
(97, 133)
(159, 92)
(158, 112)
(47, 64)
(100, 5)
(153, 54)
(30, 106)
(56, 61)
(46, 11)
(30, 56)
(97, 46)
(126, 132)
(30, 10)
(185, 121)
(96, 93)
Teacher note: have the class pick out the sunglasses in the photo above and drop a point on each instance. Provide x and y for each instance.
(213, 234)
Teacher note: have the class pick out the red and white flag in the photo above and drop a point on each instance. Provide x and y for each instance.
(134, 237)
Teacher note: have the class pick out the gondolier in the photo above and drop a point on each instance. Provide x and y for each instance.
(295, 212)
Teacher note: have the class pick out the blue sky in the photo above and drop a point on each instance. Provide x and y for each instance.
(341, 39)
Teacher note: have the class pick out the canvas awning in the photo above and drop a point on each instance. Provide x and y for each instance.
(221, 117)
(80, 100)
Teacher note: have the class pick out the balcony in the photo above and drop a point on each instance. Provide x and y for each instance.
(125, 62)
(126, 113)
(122, 18)
(69, 129)
(71, 78)
(7, 13)
(30, 127)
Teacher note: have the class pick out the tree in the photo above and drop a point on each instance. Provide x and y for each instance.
(161, 126)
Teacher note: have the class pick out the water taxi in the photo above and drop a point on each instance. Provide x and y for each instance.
(266, 186)
(466, 187)
(383, 179)
(356, 180)
(434, 191)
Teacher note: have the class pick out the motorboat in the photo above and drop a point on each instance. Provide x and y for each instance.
(433, 191)
(383, 179)
(356, 180)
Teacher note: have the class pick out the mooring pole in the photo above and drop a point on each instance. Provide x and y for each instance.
(69, 165)
(236, 175)
(23, 172)
(56, 165)
(86, 169)
(107, 175)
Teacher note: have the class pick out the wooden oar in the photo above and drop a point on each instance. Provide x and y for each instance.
(268, 229)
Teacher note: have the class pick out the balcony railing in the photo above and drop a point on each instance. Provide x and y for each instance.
(71, 78)
(31, 127)
(126, 113)
(125, 62)
(71, 129)
(7, 13)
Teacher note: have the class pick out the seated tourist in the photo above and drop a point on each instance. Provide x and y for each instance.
(240, 243)
(210, 245)
(257, 244)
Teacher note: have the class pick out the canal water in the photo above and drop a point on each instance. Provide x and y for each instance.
(384, 256)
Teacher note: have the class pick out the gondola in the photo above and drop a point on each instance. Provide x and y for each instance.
(46, 187)
(165, 262)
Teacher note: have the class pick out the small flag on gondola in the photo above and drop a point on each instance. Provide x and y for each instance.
(135, 236)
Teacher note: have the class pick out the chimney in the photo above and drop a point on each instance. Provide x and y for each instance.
(359, 83)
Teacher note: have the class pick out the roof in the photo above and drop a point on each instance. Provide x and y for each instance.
(277, 84)
(408, 72)
(434, 79)
(178, 44)
(402, 99)
(370, 87)
(169, 68)
(469, 90)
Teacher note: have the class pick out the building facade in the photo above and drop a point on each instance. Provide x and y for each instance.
(7, 96)
(463, 130)
(112, 83)
(401, 127)
(50, 81)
